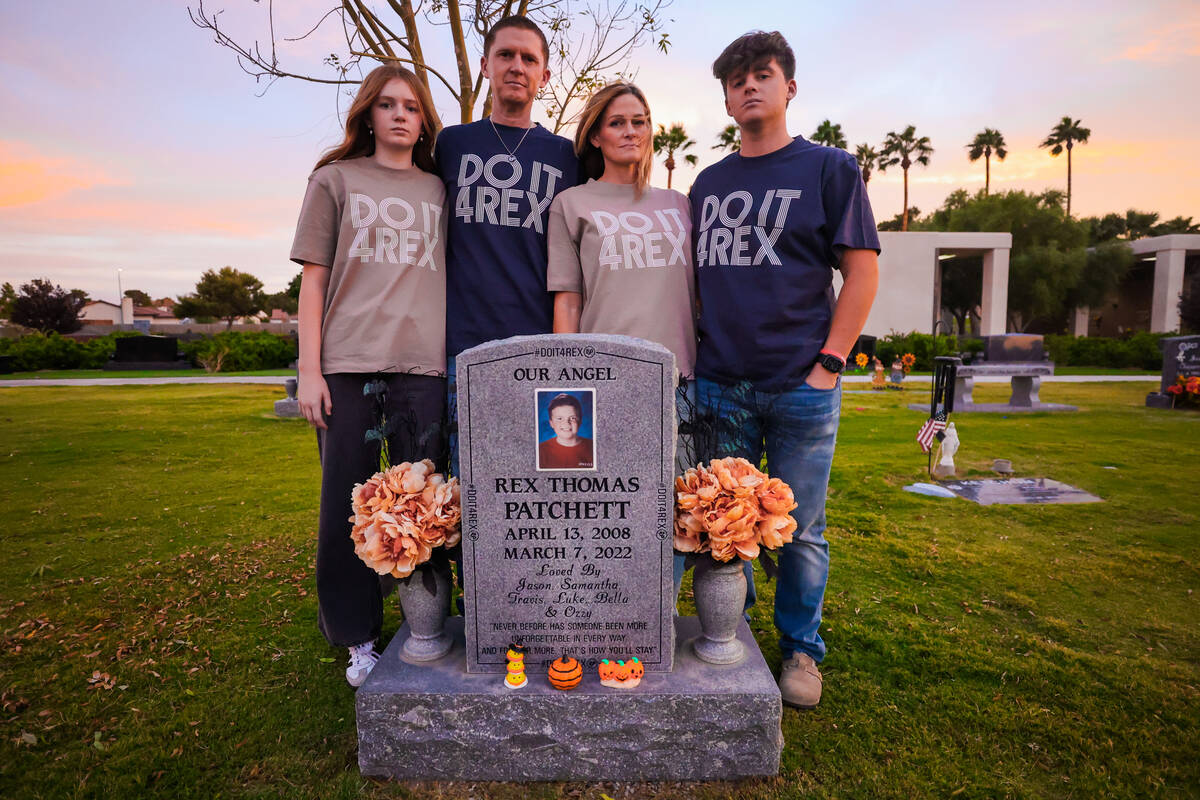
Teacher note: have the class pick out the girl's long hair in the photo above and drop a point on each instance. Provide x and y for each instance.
(590, 120)
(360, 141)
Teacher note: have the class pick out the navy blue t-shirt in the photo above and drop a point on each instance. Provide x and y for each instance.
(496, 237)
(768, 232)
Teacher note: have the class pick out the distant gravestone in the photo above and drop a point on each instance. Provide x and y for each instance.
(1019, 491)
(290, 405)
(1010, 347)
(1181, 356)
(147, 352)
(568, 549)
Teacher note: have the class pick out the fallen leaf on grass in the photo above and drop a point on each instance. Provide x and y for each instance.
(28, 738)
(101, 680)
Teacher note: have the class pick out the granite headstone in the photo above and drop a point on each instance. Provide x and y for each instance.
(567, 530)
(147, 352)
(1008, 347)
(1181, 356)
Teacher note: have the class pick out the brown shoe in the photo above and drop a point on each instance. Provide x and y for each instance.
(800, 682)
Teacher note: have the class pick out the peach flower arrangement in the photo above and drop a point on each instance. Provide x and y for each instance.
(401, 514)
(731, 509)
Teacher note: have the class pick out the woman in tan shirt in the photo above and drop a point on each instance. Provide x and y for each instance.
(371, 239)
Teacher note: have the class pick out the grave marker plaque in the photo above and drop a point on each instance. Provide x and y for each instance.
(566, 460)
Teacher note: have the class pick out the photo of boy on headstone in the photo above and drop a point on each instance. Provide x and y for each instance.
(561, 428)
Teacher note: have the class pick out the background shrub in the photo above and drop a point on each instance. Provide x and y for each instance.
(242, 351)
(922, 345)
(35, 351)
(1137, 351)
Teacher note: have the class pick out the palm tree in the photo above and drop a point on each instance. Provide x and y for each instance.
(988, 142)
(905, 149)
(730, 138)
(669, 141)
(830, 135)
(867, 160)
(1066, 134)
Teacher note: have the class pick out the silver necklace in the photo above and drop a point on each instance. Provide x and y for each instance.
(512, 154)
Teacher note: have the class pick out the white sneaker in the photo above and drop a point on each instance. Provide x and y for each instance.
(362, 661)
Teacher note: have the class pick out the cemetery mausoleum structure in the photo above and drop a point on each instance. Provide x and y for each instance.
(910, 279)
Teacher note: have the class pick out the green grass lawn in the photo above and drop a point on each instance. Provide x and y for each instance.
(47, 374)
(159, 636)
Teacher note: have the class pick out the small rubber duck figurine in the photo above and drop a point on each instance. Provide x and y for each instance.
(515, 678)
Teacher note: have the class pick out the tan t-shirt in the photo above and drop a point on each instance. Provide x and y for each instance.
(631, 259)
(381, 231)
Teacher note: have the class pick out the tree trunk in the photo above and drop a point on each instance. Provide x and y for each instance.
(987, 174)
(904, 221)
(1068, 179)
(670, 165)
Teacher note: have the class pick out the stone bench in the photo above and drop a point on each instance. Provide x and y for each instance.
(1026, 382)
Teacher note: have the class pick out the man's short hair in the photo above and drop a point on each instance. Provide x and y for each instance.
(751, 51)
(521, 23)
(565, 399)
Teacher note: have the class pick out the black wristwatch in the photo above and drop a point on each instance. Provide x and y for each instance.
(831, 363)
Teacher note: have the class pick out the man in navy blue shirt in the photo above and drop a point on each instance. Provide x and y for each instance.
(501, 175)
(770, 224)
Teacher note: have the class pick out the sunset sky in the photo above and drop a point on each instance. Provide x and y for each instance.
(129, 140)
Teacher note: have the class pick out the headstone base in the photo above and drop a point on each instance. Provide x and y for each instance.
(288, 407)
(113, 364)
(700, 722)
(1159, 400)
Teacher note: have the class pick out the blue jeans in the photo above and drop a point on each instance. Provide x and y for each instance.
(798, 431)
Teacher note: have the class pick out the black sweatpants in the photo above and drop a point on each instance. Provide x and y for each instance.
(350, 602)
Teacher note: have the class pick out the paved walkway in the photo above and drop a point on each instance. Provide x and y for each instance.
(279, 380)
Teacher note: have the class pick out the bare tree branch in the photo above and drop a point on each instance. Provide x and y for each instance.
(592, 42)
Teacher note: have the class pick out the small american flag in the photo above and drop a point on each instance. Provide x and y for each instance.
(930, 429)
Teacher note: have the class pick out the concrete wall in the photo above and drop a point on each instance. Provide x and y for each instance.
(909, 279)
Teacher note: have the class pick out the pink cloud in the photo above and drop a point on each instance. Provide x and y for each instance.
(1171, 43)
(28, 177)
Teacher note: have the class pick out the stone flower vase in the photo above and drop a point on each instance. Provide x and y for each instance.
(425, 598)
(720, 592)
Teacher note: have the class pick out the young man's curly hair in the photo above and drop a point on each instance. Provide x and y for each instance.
(751, 51)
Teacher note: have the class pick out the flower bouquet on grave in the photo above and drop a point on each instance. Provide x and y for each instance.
(406, 519)
(727, 514)
(1185, 389)
(402, 515)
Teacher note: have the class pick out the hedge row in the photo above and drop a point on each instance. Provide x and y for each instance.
(235, 351)
(1137, 351)
(36, 351)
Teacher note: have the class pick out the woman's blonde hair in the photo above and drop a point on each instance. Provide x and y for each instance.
(592, 117)
(360, 141)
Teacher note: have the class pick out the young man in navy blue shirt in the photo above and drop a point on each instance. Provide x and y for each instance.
(501, 175)
(771, 223)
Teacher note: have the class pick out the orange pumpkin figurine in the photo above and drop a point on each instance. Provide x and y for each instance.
(636, 670)
(608, 672)
(621, 674)
(565, 673)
